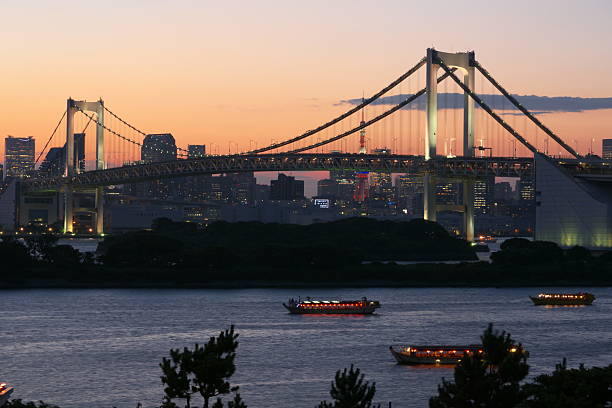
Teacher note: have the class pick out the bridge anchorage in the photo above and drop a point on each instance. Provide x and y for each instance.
(305, 151)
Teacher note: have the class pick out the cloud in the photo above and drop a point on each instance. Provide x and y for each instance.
(536, 104)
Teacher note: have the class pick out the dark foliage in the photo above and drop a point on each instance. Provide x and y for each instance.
(17, 403)
(349, 390)
(488, 380)
(14, 254)
(204, 370)
(571, 388)
(143, 248)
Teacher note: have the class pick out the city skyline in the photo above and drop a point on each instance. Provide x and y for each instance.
(228, 80)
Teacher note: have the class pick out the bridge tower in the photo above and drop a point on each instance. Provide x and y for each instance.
(71, 169)
(461, 61)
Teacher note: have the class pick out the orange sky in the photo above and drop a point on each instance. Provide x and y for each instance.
(242, 73)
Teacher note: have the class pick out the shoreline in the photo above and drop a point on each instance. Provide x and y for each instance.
(261, 284)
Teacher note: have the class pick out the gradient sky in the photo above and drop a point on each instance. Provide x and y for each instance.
(212, 72)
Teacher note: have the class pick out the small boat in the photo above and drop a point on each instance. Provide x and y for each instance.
(485, 238)
(311, 306)
(563, 299)
(415, 355)
(5, 393)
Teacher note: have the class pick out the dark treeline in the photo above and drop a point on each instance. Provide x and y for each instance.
(341, 253)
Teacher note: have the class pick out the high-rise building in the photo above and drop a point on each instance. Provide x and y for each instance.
(19, 156)
(503, 192)
(346, 184)
(606, 149)
(484, 190)
(449, 193)
(409, 193)
(286, 188)
(158, 148)
(55, 161)
(526, 190)
(195, 151)
(327, 188)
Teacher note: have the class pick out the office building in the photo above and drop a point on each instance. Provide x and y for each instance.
(409, 193)
(327, 188)
(158, 148)
(18, 156)
(286, 188)
(484, 191)
(195, 151)
(606, 149)
(55, 161)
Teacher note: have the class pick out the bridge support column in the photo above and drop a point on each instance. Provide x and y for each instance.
(431, 87)
(68, 209)
(468, 112)
(468, 212)
(429, 197)
(99, 210)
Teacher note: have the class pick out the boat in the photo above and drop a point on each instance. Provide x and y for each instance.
(5, 393)
(485, 238)
(312, 306)
(563, 299)
(432, 354)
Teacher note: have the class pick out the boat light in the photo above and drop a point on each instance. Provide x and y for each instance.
(513, 350)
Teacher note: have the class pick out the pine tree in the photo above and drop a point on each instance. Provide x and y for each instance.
(204, 370)
(349, 390)
(491, 379)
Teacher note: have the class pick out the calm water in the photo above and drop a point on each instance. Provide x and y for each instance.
(101, 348)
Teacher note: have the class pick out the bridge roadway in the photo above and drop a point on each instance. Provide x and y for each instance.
(450, 168)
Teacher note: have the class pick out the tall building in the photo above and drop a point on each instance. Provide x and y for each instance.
(195, 151)
(327, 188)
(484, 191)
(158, 148)
(346, 184)
(606, 149)
(526, 190)
(286, 188)
(55, 161)
(19, 156)
(409, 193)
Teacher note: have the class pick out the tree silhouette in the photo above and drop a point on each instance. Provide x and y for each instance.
(349, 390)
(573, 388)
(490, 379)
(203, 370)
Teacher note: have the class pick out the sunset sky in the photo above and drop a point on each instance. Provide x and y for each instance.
(239, 73)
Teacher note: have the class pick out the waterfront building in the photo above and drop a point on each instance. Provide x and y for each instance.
(483, 195)
(606, 149)
(158, 147)
(19, 156)
(286, 188)
(55, 161)
(409, 193)
(327, 188)
(195, 151)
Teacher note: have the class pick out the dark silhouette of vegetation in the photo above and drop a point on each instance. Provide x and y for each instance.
(204, 370)
(350, 390)
(17, 403)
(251, 254)
(571, 388)
(491, 379)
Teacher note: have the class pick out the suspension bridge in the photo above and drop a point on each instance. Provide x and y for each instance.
(473, 128)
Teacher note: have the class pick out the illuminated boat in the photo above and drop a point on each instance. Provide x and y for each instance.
(311, 306)
(5, 393)
(485, 239)
(415, 355)
(563, 299)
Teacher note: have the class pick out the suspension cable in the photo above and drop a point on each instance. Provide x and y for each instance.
(50, 137)
(486, 107)
(348, 113)
(117, 134)
(524, 110)
(132, 127)
(369, 122)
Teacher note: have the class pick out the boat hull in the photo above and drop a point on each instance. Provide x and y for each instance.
(4, 396)
(553, 301)
(409, 360)
(355, 310)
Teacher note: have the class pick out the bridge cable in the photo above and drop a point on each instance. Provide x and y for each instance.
(132, 127)
(486, 107)
(115, 133)
(369, 122)
(50, 137)
(344, 115)
(520, 107)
